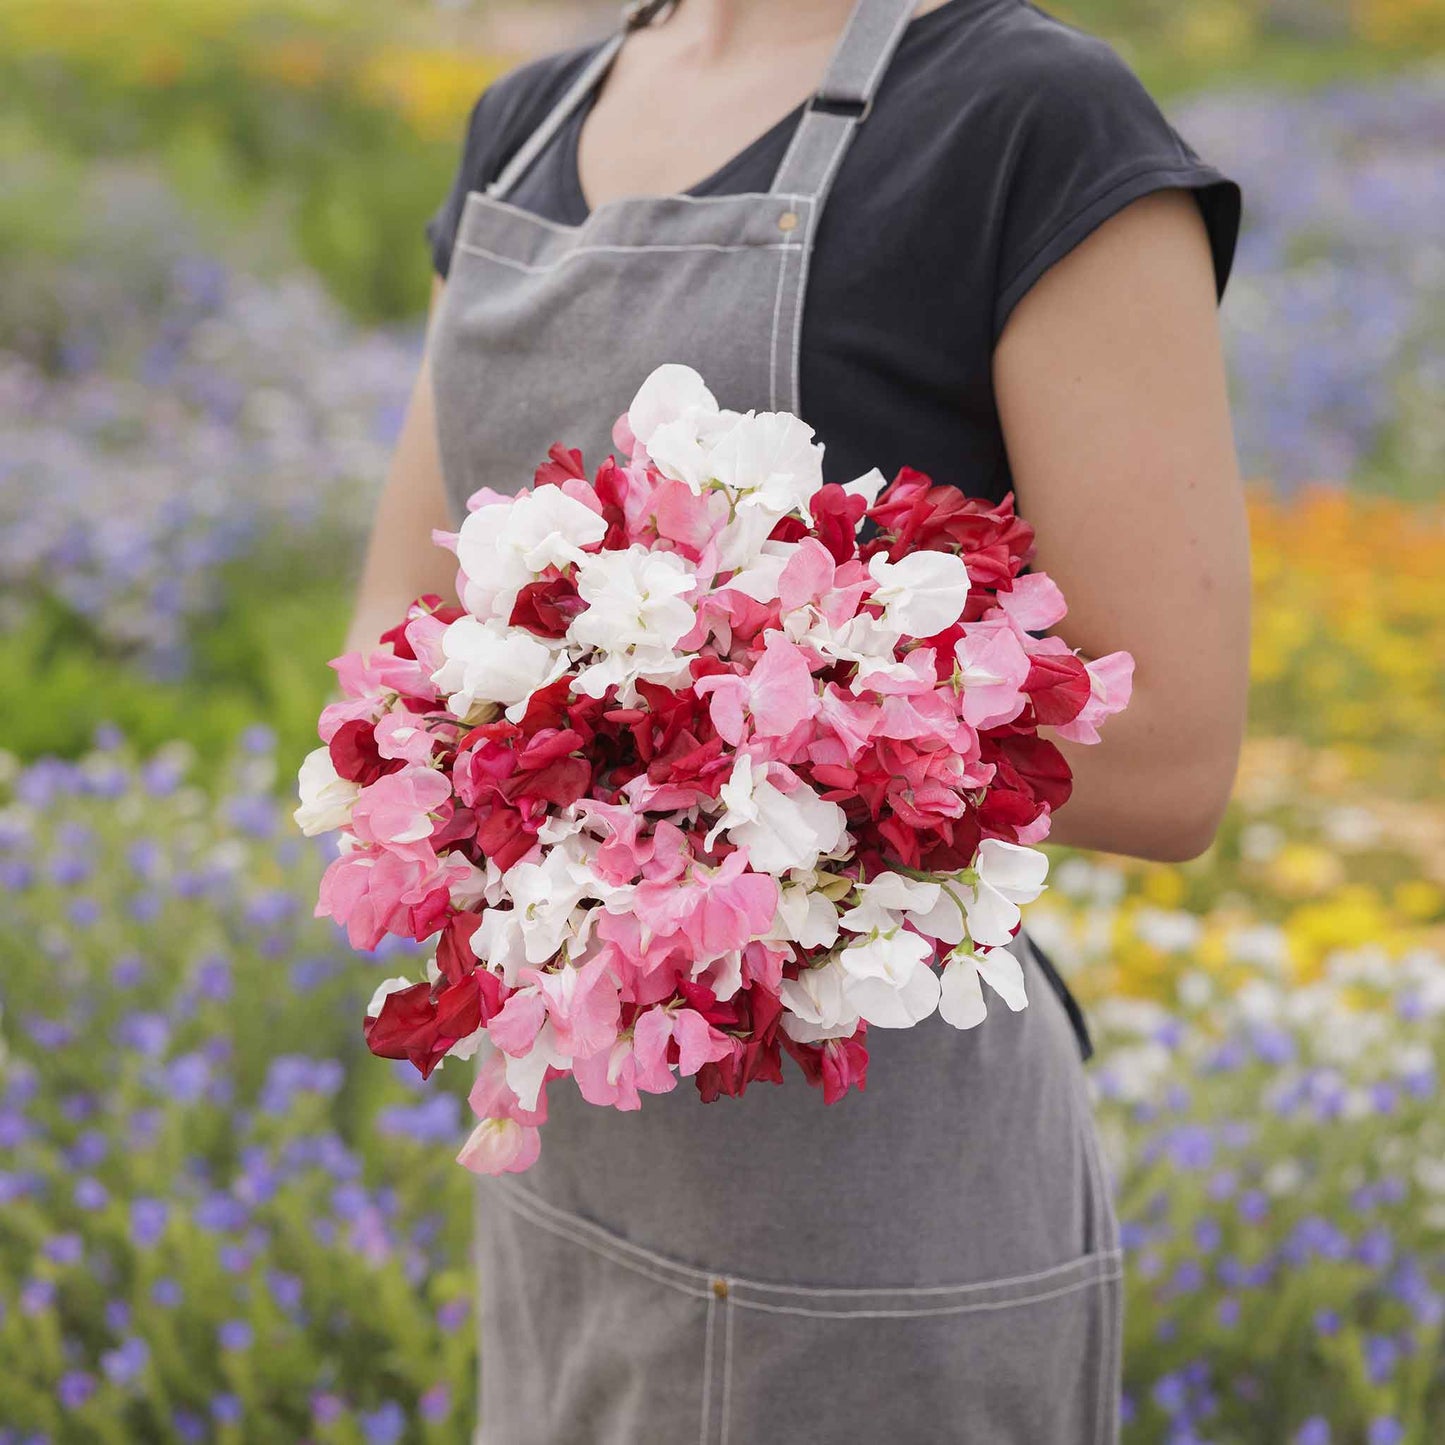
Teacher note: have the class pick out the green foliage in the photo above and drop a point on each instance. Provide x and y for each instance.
(261, 655)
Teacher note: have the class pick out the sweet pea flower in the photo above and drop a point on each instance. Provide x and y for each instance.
(698, 1042)
(1111, 684)
(488, 662)
(506, 545)
(583, 1005)
(669, 391)
(396, 810)
(636, 615)
(885, 901)
(889, 982)
(399, 734)
(992, 668)
(776, 696)
(545, 895)
(1033, 602)
(961, 995)
(501, 1146)
(1008, 875)
(326, 797)
(922, 593)
(769, 460)
(781, 830)
(818, 1003)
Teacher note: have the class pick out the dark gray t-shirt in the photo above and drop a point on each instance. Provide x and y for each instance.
(1000, 137)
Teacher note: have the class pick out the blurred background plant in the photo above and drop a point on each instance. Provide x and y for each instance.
(220, 1218)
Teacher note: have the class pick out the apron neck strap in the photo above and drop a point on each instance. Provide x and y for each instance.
(572, 97)
(845, 97)
(859, 59)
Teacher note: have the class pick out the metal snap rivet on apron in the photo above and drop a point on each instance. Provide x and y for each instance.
(788, 221)
(720, 1288)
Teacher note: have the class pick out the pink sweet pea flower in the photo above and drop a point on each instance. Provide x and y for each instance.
(609, 1078)
(778, 694)
(993, 668)
(583, 1004)
(501, 1146)
(1111, 680)
(1034, 602)
(400, 734)
(698, 1043)
(395, 811)
(717, 910)
(372, 892)
(515, 1026)
(492, 1098)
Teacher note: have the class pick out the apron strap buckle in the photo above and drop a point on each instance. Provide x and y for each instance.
(853, 107)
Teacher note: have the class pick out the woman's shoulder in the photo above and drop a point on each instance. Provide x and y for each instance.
(1016, 62)
(1043, 130)
(514, 103)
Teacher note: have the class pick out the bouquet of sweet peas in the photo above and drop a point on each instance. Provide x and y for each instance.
(716, 762)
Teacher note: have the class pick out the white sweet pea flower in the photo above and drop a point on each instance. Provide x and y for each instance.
(945, 920)
(635, 617)
(505, 546)
(760, 578)
(961, 999)
(922, 593)
(526, 1071)
(670, 391)
(1008, 875)
(867, 486)
(744, 539)
(889, 982)
(489, 662)
(769, 460)
(816, 1005)
(544, 896)
(500, 943)
(884, 902)
(326, 797)
(479, 886)
(805, 917)
(868, 641)
(779, 830)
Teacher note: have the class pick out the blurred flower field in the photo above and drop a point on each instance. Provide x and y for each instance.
(220, 1218)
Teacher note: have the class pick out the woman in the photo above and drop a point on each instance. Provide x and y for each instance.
(959, 235)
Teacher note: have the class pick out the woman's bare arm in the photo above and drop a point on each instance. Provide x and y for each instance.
(1110, 384)
(402, 561)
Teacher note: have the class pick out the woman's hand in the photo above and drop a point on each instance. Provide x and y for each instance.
(1110, 384)
(402, 562)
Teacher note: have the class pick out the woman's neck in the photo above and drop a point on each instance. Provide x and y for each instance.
(711, 28)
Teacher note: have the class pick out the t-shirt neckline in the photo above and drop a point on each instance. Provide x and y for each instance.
(577, 203)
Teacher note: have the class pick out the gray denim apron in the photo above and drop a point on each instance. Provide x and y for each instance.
(933, 1259)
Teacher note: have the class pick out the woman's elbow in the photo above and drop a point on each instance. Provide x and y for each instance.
(1204, 790)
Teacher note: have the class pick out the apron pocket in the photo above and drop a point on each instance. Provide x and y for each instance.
(1028, 1360)
(607, 1343)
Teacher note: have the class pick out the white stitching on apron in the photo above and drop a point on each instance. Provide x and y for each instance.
(585, 1233)
(1096, 1277)
(707, 1371)
(814, 220)
(722, 198)
(727, 1366)
(589, 250)
(777, 317)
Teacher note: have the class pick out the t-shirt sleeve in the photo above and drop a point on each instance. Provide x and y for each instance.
(478, 143)
(1087, 139)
